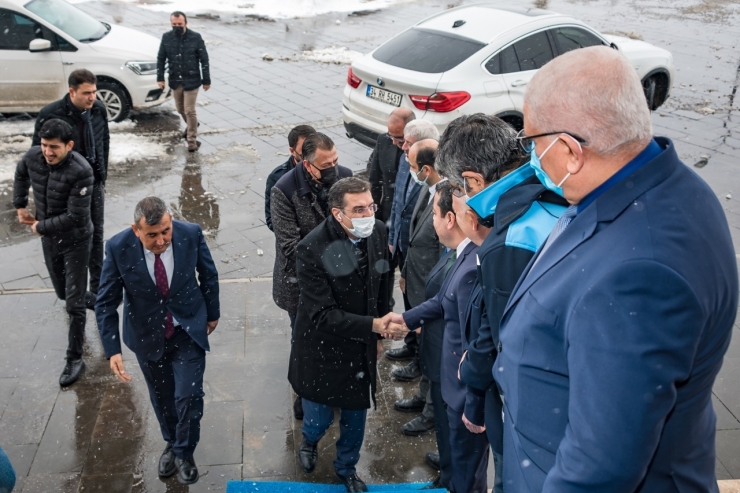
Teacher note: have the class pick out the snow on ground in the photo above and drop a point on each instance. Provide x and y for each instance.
(276, 9)
(339, 56)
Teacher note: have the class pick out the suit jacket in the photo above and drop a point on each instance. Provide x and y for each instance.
(403, 207)
(295, 213)
(424, 249)
(450, 304)
(382, 170)
(611, 343)
(432, 336)
(334, 353)
(192, 301)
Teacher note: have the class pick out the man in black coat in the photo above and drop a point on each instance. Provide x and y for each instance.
(342, 270)
(184, 52)
(89, 121)
(62, 184)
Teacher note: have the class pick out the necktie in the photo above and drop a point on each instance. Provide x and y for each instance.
(160, 275)
(450, 263)
(560, 226)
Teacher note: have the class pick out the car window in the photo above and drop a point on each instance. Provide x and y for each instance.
(494, 65)
(570, 38)
(509, 61)
(69, 19)
(426, 51)
(17, 31)
(533, 52)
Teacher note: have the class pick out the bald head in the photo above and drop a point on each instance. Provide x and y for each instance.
(403, 114)
(397, 121)
(594, 93)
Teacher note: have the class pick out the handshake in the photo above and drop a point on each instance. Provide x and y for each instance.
(390, 326)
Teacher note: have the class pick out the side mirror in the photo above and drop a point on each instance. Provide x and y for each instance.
(39, 45)
(614, 46)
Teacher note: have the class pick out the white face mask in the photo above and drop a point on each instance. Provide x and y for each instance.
(362, 227)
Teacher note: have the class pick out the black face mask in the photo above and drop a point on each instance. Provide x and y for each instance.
(328, 176)
(178, 30)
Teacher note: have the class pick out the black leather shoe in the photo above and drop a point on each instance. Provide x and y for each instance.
(418, 426)
(400, 354)
(411, 405)
(352, 482)
(187, 472)
(407, 373)
(167, 465)
(90, 300)
(298, 408)
(436, 485)
(432, 458)
(307, 456)
(72, 371)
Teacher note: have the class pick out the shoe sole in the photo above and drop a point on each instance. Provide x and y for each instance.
(408, 409)
(431, 464)
(417, 433)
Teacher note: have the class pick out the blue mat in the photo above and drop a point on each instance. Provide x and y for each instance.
(282, 486)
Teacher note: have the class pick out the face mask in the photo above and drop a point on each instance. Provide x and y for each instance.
(328, 176)
(362, 227)
(415, 177)
(536, 165)
(178, 29)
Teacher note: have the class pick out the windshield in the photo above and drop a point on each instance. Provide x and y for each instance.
(69, 19)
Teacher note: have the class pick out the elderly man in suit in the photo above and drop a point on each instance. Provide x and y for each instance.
(168, 314)
(342, 271)
(613, 337)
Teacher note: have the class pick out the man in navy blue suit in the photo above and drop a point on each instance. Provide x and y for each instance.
(168, 315)
(613, 337)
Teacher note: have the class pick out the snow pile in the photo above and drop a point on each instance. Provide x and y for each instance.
(15, 140)
(128, 147)
(124, 126)
(336, 55)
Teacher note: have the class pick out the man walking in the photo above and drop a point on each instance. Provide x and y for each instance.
(343, 295)
(184, 52)
(168, 314)
(62, 183)
(89, 121)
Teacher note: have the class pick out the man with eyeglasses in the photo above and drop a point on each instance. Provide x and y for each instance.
(299, 202)
(342, 269)
(611, 341)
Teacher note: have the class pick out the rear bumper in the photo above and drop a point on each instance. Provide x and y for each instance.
(360, 129)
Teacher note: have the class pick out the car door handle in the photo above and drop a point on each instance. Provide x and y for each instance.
(68, 63)
(519, 83)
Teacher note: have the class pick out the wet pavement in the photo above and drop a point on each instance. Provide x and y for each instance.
(101, 435)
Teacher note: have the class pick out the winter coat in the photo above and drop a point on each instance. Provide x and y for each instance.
(186, 57)
(61, 194)
(66, 111)
(383, 167)
(333, 356)
(272, 179)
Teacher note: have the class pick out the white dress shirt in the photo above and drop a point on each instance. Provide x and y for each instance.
(461, 246)
(168, 259)
(433, 190)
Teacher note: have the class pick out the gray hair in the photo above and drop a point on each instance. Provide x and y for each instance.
(342, 187)
(479, 143)
(152, 209)
(594, 92)
(314, 142)
(420, 130)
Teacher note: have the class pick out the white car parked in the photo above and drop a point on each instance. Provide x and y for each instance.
(477, 58)
(43, 41)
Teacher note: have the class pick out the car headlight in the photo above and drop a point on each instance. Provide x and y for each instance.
(142, 68)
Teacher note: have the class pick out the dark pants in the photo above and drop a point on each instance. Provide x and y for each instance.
(292, 316)
(317, 418)
(175, 384)
(97, 212)
(67, 266)
(442, 426)
(495, 433)
(469, 455)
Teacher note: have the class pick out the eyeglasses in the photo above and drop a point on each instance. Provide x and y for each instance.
(526, 142)
(459, 192)
(363, 210)
(396, 140)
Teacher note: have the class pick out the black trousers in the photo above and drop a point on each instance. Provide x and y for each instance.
(411, 341)
(495, 432)
(442, 427)
(67, 266)
(97, 213)
(175, 384)
(469, 453)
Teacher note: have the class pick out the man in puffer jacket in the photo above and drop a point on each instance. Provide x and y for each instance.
(62, 183)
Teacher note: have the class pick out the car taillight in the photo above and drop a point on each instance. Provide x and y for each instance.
(353, 80)
(441, 102)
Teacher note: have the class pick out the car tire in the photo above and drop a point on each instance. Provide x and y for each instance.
(655, 88)
(115, 99)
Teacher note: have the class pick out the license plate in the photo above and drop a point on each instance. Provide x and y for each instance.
(385, 96)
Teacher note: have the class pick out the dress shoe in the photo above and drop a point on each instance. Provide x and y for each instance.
(418, 426)
(400, 354)
(352, 482)
(72, 371)
(436, 485)
(432, 458)
(187, 472)
(298, 408)
(167, 466)
(411, 405)
(407, 373)
(307, 456)
(194, 147)
(90, 300)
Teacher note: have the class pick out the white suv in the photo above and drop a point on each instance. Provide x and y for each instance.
(43, 41)
(477, 58)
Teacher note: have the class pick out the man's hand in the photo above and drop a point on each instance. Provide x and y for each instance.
(395, 331)
(473, 428)
(396, 318)
(206, 87)
(381, 349)
(390, 247)
(116, 365)
(160, 83)
(379, 324)
(25, 217)
(211, 326)
(402, 284)
(33, 228)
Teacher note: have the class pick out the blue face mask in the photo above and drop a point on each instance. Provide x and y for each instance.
(415, 177)
(536, 165)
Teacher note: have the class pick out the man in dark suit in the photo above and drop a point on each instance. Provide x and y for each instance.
(613, 337)
(342, 270)
(384, 161)
(168, 314)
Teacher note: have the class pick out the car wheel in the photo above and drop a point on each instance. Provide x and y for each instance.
(656, 90)
(115, 100)
(516, 121)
